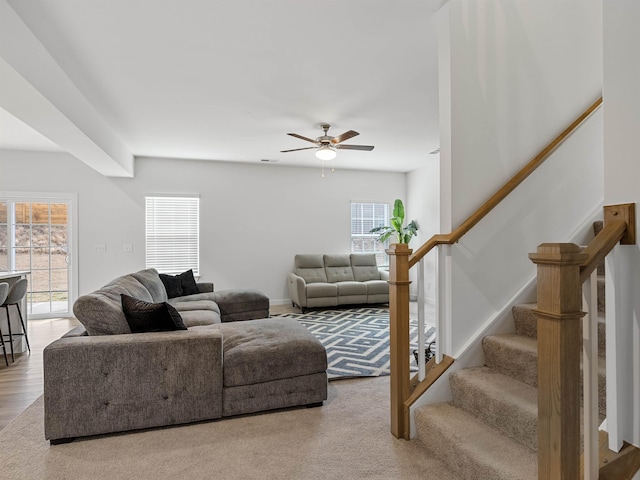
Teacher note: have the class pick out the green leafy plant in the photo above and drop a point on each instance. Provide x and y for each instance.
(404, 233)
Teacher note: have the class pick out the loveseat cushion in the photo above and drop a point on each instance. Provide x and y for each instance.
(322, 290)
(365, 267)
(257, 351)
(310, 267)
(338, 268)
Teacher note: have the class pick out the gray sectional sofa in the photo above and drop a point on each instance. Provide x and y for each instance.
(100, 378)
(331, 280)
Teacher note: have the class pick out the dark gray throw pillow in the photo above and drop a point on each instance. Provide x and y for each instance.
(179, 285)
(172, 284)
(150, 317)
(188, 281)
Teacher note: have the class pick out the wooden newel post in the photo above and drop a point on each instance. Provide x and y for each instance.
(399, 337)
(559, 348)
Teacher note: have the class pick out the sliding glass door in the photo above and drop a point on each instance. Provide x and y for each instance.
(35, 236)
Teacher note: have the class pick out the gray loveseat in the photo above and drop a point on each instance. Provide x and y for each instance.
(331, 280)
(99, 378)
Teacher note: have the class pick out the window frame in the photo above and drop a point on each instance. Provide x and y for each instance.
(375, 221)
(165, 250)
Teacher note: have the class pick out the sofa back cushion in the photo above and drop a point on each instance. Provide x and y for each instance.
(151, 281)
(310, 267)
(365, 267)
(338, 268)
(101, 313)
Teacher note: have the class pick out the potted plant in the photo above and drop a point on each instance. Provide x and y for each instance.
(404, 233)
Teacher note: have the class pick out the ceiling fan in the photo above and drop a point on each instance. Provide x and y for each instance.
(327, 145)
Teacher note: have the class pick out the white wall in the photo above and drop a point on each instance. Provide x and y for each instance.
(423, 205)
(622, 183)
(254, 218)
(520, 72)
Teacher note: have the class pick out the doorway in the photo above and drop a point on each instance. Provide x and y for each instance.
(36, 236)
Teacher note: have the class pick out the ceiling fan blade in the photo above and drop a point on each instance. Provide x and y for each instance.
(367, 148)
(297, 149)
(344, 136)
(301, 137)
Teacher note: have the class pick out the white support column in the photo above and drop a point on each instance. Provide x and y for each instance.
(590, 374)
(443, 299)
(421, 336)
(615, 426)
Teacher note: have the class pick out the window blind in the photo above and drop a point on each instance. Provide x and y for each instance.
(364, 217)
(172, 233)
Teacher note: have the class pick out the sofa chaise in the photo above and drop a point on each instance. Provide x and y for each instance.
(100, 378)
(331, 280)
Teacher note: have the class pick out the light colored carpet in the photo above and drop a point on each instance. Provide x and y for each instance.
(347, 438)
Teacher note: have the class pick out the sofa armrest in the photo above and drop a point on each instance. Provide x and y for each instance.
(111, 383)
(297, 289)
(205, 287)
(384, 274)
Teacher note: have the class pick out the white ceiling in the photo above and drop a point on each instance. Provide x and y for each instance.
(226, 80)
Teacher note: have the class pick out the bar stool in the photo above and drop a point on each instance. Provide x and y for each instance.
(4, 291)
(16, 293)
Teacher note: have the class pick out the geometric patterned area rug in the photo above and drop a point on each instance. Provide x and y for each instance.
(356, 339)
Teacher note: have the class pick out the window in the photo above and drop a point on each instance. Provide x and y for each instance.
(172, 233)
(364, 217)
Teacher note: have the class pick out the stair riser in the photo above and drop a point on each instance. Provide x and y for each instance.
(450, 446)
(522, 365)
(515, 420)
(527, 324)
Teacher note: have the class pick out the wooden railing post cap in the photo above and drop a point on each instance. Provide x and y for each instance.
(558, 253)
(399, 249)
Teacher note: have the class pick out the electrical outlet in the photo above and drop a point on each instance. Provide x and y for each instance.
(127, 247)
(100, 248)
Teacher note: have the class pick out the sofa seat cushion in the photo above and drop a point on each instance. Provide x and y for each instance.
(347, 289)
(321, 290)
(196, 297)
(195, 305)
(377, 287)
(257, 351)
(192, 318)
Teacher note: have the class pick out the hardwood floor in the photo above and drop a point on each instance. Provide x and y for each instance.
(22, 382)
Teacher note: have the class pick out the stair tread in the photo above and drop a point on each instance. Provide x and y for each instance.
(529, 345)
(471, 446)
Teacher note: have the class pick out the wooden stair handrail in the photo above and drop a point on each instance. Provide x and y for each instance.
(619, 226)
(505, 190)
(601, 246)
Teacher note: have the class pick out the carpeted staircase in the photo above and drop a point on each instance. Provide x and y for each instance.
(489, 429)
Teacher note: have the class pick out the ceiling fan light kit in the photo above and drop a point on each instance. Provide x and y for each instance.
(326, 146)
(326, 153)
